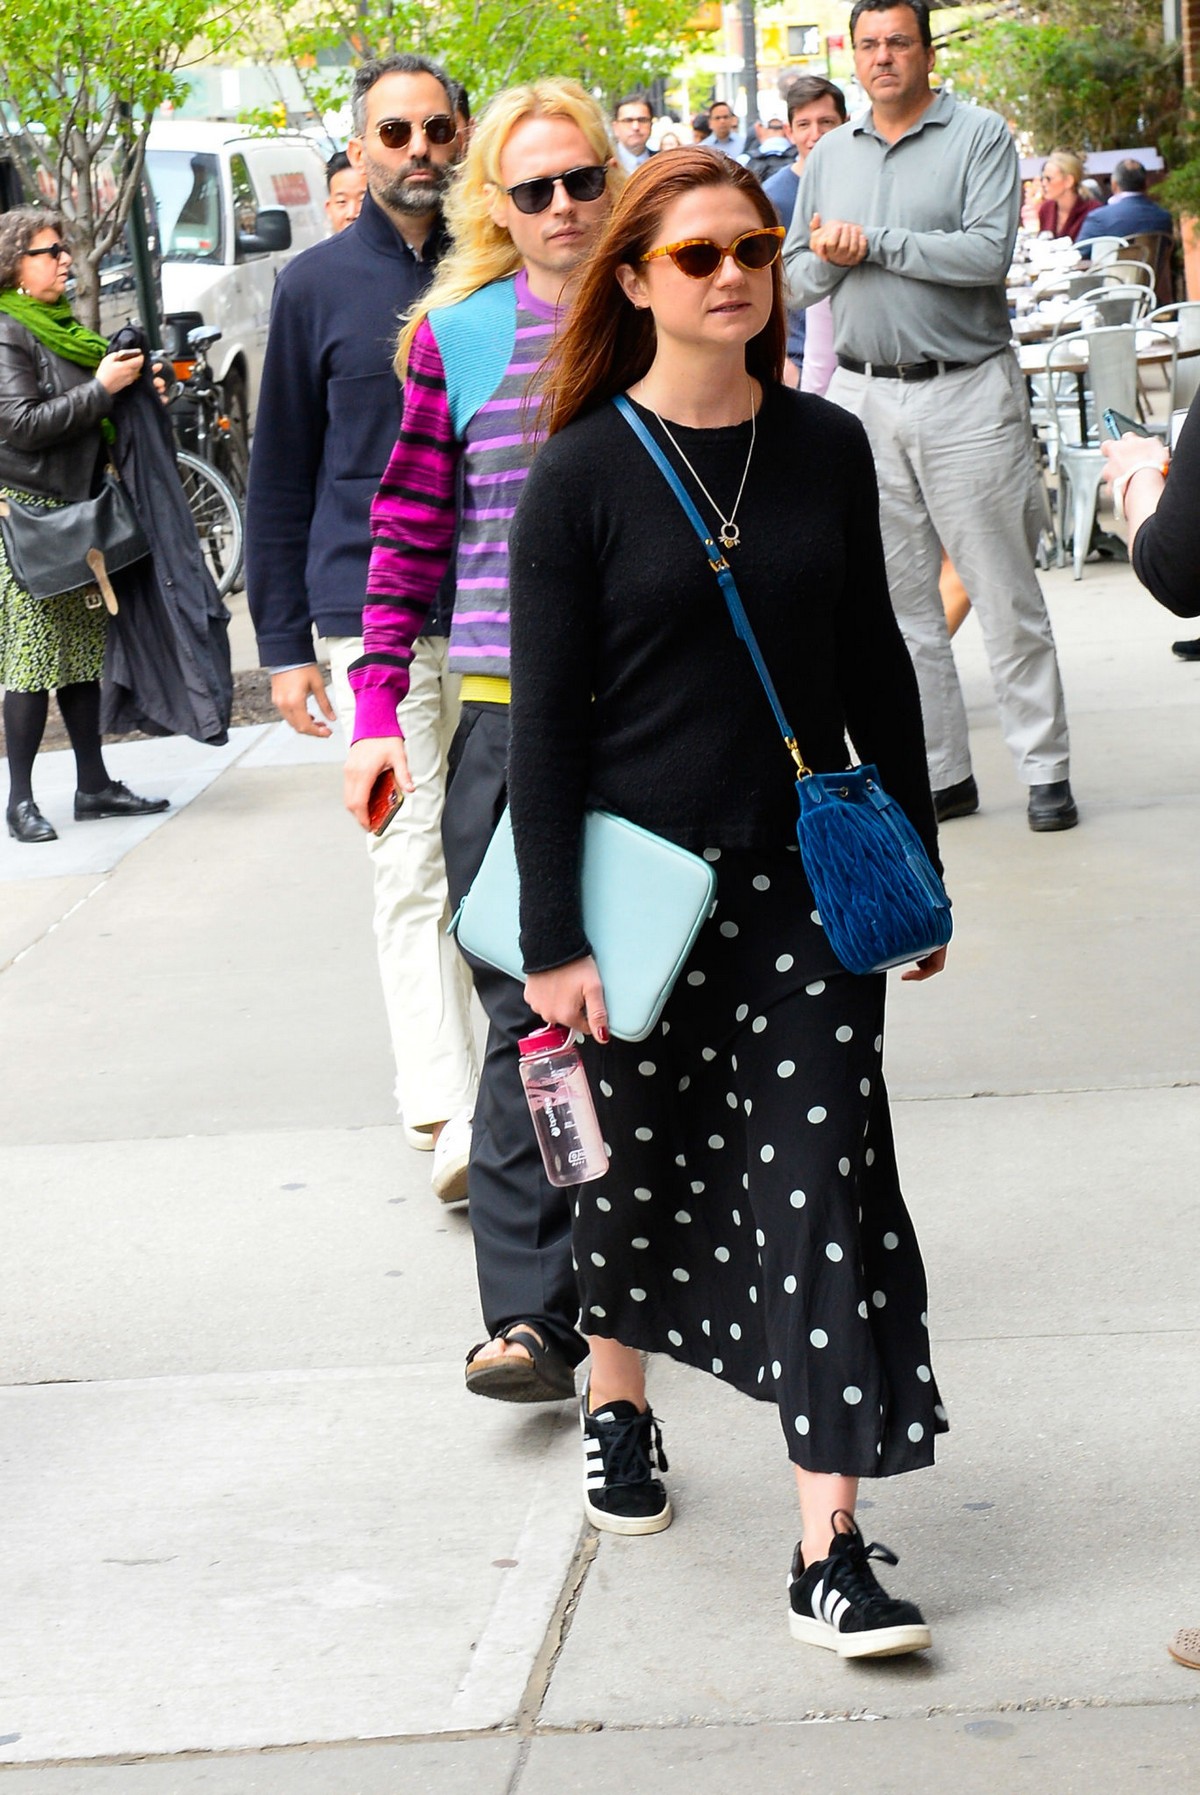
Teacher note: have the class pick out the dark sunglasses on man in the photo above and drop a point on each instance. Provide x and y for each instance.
(396, 133)
(579, 184)
(57, 250)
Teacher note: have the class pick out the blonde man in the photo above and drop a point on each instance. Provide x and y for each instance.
(531, 198)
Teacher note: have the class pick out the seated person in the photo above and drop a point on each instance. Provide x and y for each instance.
(1063, 208)
(1129, 213)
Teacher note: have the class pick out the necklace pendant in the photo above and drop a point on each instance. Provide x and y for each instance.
(729, 535)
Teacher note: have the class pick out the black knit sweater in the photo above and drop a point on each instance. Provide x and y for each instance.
(630, 691)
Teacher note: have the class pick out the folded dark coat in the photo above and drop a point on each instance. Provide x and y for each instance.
(166, 666)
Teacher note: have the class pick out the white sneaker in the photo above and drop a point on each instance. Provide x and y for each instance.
(419, 1139)
(451, 1157)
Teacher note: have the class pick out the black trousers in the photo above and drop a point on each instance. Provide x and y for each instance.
(521, 1223)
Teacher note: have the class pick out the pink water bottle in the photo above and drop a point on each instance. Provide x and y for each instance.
(560, 1102)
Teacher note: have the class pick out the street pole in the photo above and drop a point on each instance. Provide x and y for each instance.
(749, 64)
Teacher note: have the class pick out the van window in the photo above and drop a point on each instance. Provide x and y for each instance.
(187, 191)
(245, 200)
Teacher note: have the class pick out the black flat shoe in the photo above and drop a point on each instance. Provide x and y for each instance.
(1052, 807)
(26, 823)
(956, 800)
(1186, 651)
(116, 800)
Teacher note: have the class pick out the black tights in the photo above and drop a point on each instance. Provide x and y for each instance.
(25, 716)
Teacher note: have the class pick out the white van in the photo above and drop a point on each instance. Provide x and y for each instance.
(233, 208)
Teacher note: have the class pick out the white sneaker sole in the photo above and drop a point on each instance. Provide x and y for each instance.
(884, 1642)
(449, 1181)
(628, 1524)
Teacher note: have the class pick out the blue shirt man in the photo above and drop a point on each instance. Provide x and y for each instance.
(1129, 213)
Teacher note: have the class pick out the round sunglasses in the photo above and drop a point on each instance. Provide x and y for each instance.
(396, 133)
(699, 257)
(57, 250)
(579, 184)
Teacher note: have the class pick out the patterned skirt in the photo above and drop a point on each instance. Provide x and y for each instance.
(47, 643)
(751, 1223)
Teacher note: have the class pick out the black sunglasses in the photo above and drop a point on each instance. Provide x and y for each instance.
(57, 250)
(396, 133)
(579, 184)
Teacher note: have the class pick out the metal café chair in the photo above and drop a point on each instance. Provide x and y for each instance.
(1184, 316)
(1105, 249)
(1104, 362)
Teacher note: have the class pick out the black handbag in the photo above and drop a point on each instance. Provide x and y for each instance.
(48, 547)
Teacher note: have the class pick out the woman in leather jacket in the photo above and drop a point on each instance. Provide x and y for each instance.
(57, 388)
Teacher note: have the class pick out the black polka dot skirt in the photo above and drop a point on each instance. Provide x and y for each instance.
(751, 1222)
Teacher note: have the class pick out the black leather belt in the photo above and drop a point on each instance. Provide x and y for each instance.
(905, 370)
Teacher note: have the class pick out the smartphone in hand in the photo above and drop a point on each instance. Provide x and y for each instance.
(384, 802)
(1118, 424)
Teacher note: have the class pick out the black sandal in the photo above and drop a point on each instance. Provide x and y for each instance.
(543, 1377)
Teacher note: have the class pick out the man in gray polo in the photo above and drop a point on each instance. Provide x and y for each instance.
(907, 218)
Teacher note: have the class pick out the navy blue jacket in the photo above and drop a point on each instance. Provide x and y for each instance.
(328, 417)
(1129, 216)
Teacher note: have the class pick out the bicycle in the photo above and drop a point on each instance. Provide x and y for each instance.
(207, 438)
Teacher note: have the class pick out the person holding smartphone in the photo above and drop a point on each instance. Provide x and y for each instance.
(1161, 501)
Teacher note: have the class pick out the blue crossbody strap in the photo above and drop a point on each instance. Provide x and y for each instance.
(720, 567)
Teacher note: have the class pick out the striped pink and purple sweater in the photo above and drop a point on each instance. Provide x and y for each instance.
(413, 519)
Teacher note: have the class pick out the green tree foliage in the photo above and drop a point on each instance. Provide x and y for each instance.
(1092, 79)
(80, 81)
(487, 44)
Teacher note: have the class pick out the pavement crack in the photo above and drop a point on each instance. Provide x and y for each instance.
(552, 1644)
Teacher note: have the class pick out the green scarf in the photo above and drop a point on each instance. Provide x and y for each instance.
(58, 330)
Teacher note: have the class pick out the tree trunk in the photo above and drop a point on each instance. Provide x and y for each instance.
(87, 282)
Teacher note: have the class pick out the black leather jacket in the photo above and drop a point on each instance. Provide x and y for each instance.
(50, 412)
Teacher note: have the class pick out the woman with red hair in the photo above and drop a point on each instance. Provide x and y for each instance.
(751, 1223)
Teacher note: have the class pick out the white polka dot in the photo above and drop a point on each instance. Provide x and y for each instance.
(712, 853)
(924, 1319)
(697, 1186)
(666, 1028)
(891, 1241)
(852, 1394)
(718, 1367)
(879, 1299)
(817, 1114)
(776, 1368)
(815, 916)
(605, 1087)
(862, 1309)
(865, 1087)
(797, 1199)
(784, 963)
(762, 1372)
(760, 1237)
(716, 1142)
(758, 1025)
(721, 1254)
(731, 1099)
(684, 1082)
(761, 882)
(729, 930)
(916, 1432)
(833, 1251)
(642, 1194)
(844, 1167)
(844, 1034)
(741, 1013)
(706, 1327)
(753, 1293)
(608, 1149)
(785, 1068)
(789, 1284)
(924, 1373)
(640, 1242)
(748, 1106)
(819, 1337)
(879, 1043)
(647, 1068)
(638, 1296)
(735, 1332)
(695, 978)
(737, 1217)
(869, 1156)
(733, 1061)
(816, 988)
(801, 1424)
(766, 1154)
(603, 1203)
(597, 1310)
(708, 1053)
(643, 1134)
(599, 1259)
(681, 1275)
(939, 1411)
(674, 1338)
(681, 1215)
(745, 1181)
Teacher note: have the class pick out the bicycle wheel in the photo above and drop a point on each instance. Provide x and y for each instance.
(217, 516)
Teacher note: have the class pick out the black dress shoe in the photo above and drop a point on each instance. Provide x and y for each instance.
(116, 800)
(1052, 807)
(1186, 651)
(956, 800)
(26, 822)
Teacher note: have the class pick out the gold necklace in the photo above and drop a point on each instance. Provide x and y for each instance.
(728, 533)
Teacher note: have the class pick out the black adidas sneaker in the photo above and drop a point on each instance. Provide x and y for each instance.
(838, 1603)
(622, 1448)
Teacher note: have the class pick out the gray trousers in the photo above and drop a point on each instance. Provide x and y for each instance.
(954, 460)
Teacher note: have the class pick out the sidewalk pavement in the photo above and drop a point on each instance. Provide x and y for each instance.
(254, 1537)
